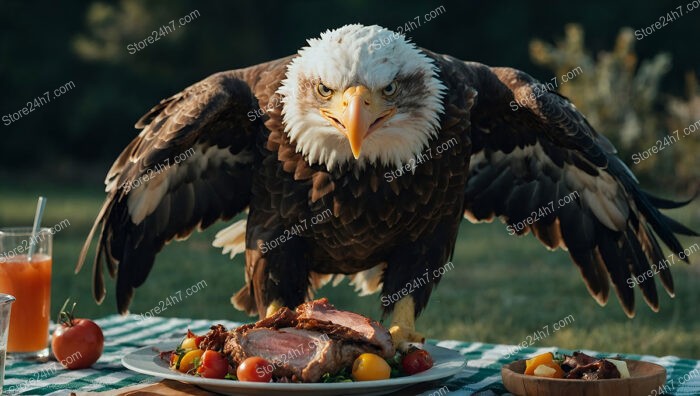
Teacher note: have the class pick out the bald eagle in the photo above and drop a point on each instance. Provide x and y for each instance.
(359, 156)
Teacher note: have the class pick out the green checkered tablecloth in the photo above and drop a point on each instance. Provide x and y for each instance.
(125, 334)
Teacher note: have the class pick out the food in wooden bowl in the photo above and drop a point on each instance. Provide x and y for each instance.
(577, 366)
(580, 374)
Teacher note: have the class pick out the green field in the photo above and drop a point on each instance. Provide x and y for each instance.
(501, 290)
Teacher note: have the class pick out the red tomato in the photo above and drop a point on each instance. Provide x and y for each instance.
(213, 365)
(416, 361)
(77, 344)
(255, 369)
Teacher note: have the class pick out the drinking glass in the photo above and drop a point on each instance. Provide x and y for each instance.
(5, 305)
(28, 279)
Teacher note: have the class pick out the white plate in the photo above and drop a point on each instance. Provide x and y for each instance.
(146, 361)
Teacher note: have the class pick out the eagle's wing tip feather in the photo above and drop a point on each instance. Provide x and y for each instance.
(516, 155)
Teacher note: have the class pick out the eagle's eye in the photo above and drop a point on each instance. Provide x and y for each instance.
(390, 89)
(324, 91)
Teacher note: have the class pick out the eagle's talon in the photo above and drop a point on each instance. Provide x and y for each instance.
(272, 308)
(403, 327)
(401, 335)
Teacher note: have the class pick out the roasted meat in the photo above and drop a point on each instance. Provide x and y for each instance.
(303, 345)
(215, 338)
(293, 353)
(582, 366)
(371, 330)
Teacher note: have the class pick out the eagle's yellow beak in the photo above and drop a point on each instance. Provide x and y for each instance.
(357, 114)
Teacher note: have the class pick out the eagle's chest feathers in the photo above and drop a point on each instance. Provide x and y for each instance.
(360, 215)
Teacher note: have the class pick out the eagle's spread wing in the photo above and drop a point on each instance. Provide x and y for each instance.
(539, 165)
(190, 166)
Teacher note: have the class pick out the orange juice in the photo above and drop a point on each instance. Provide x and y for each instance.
(30, 284)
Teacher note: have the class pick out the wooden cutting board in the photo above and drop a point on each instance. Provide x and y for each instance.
(164, 387)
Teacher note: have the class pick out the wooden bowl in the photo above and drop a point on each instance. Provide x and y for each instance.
(644, 377)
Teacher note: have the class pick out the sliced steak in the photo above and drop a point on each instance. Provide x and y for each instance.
(373, 332)
(334, 331)
(293, 353)
(285, 317)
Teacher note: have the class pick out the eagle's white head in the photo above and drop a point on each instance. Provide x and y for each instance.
(361, 94)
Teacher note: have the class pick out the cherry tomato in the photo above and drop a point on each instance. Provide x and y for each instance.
(255, 369)
(195, 339)
(213, 365)
(187, 361)
(370, 367)
(416, 361)
(76, 343)
(189, 344)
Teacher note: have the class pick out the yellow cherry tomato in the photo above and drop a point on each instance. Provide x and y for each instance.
(370, 367)
(187, 362)
(189, 344)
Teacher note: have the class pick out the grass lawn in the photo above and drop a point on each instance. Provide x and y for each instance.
(502, 288)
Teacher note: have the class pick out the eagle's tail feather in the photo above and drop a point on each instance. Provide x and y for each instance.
(231, 238)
